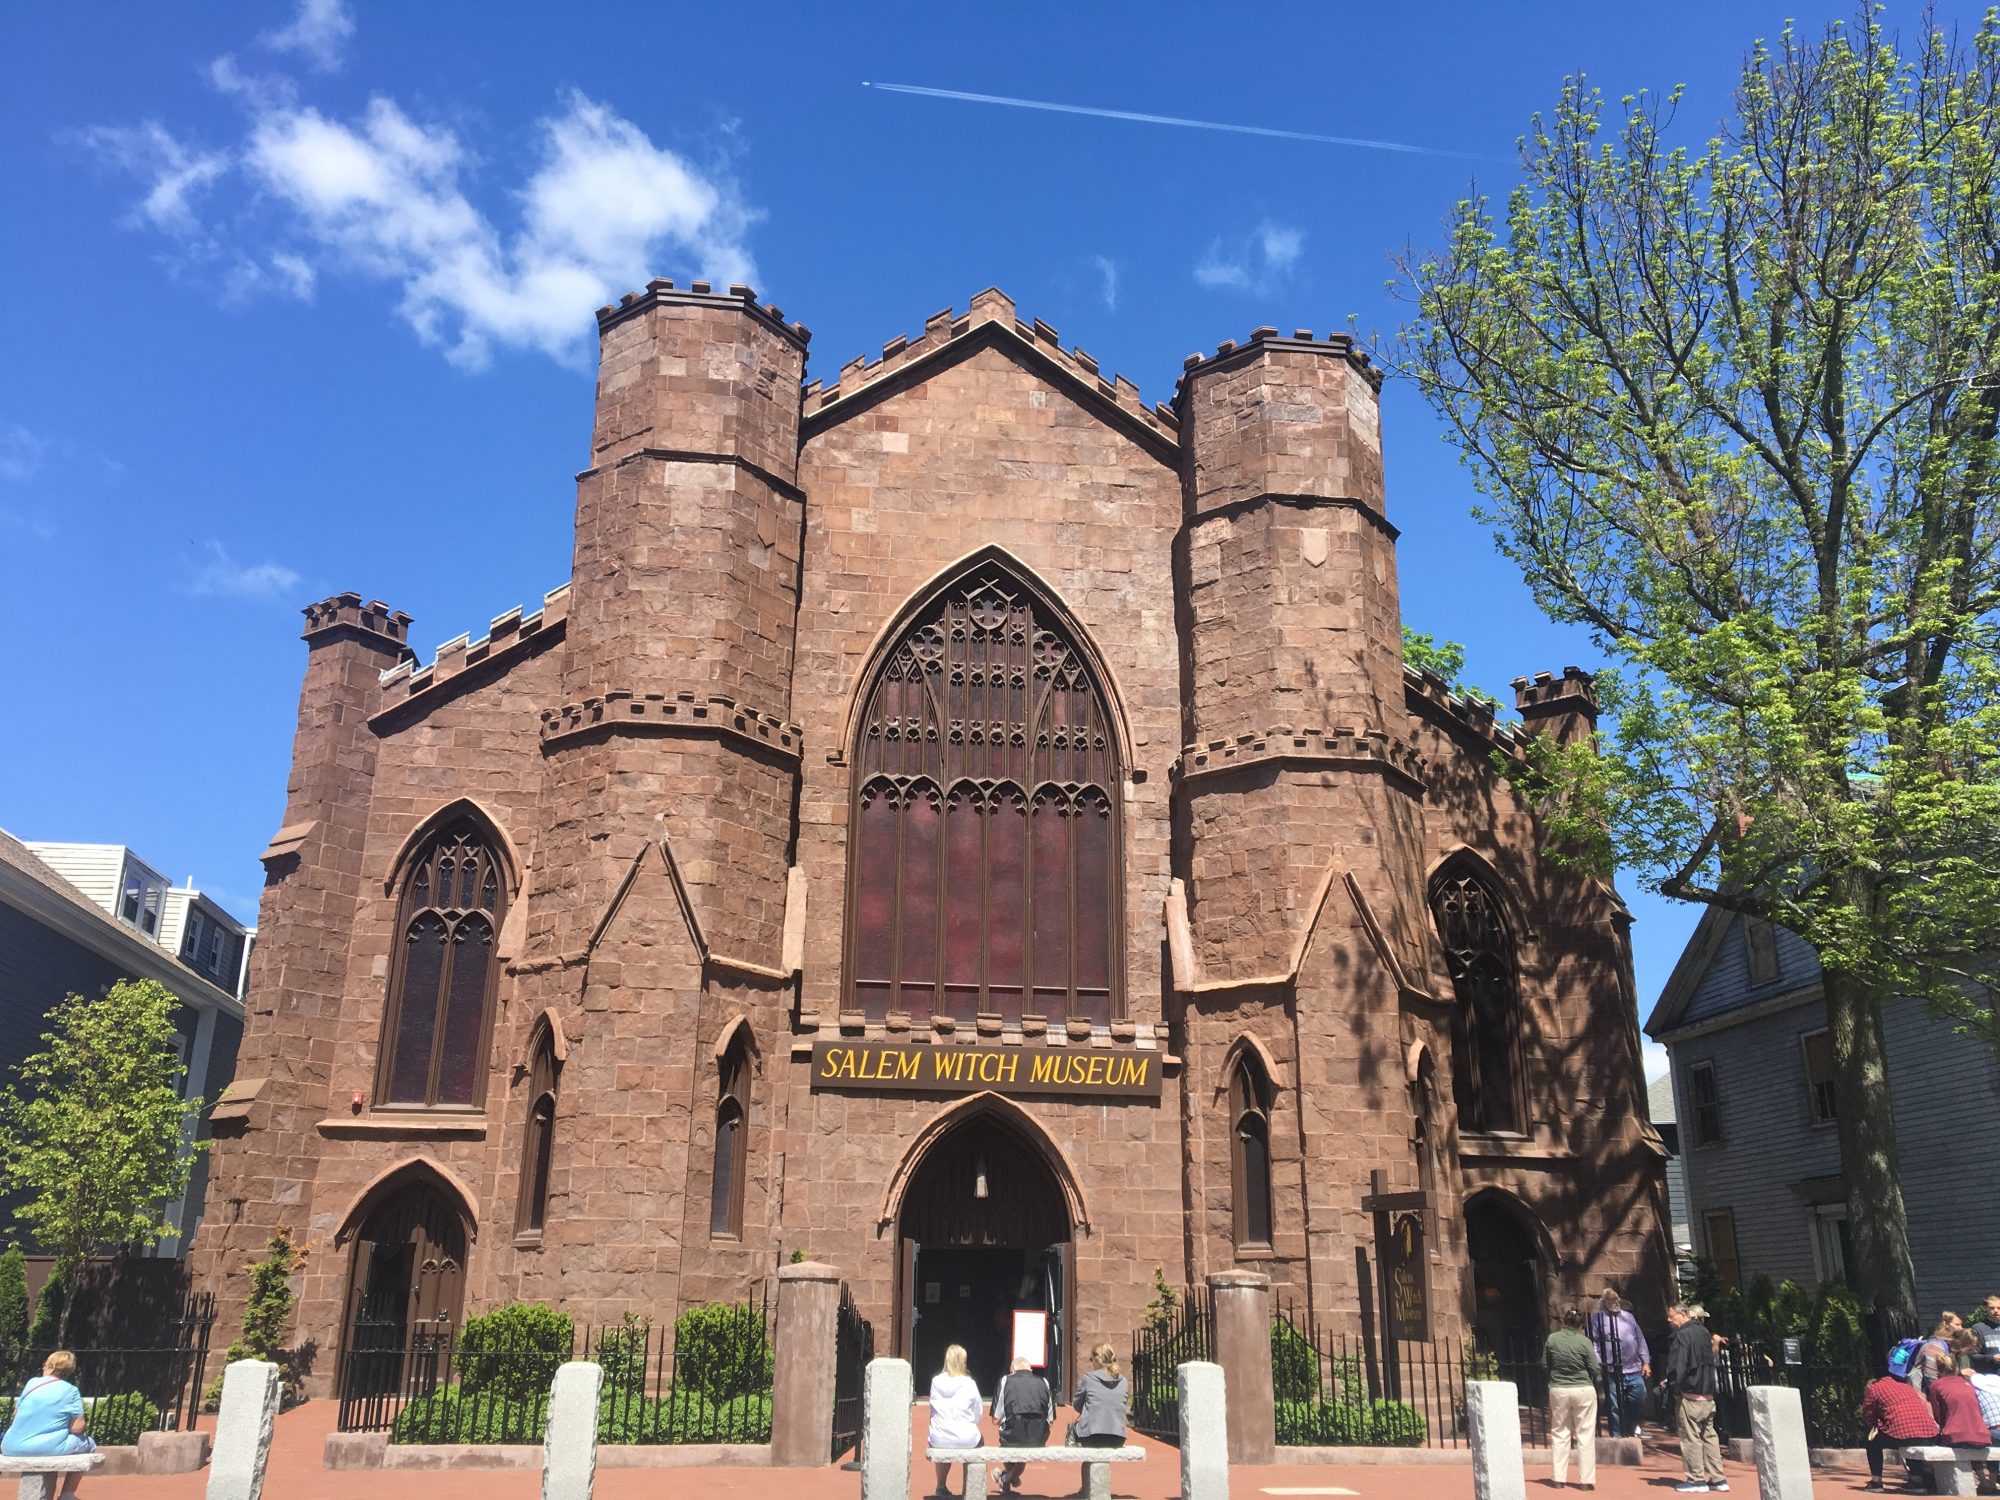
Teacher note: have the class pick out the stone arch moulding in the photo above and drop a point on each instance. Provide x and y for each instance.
(927, 593)
(737, 1025)
(1513, 1205)
(1253, 1045)
(1415, 1055)
(1009, 1113)
(545, 1021)
(1511, 904)
(462, 807)
(391, 1178)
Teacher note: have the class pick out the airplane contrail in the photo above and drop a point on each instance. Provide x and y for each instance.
(1145, 119)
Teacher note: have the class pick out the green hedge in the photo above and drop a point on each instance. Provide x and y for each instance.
(513, 1351)
(115, 1421)
(454, 1416)
(1334, 1424)
(721, 1351)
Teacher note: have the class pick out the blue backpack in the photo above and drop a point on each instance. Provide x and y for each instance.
(1903, 1356)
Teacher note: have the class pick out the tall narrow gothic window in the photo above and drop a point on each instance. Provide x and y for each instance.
(435, 1031)
(538, 1141)
(1250, 1150)
(1486, 1081)
(732, 1114)
(985, 827)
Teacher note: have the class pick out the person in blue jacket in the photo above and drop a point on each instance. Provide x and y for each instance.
(48, 1417)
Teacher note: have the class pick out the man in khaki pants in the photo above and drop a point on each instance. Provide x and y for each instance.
(1691, 1374)
(1573, 1373)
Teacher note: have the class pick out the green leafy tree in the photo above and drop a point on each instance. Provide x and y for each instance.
(267, 1316)
(94, 1135)
(13, 1309)
(1444, 658)
(1732, 407)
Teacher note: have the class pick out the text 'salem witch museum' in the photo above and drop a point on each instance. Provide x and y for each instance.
(957, 822)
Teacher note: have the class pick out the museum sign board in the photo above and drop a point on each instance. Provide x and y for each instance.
(951, 1068)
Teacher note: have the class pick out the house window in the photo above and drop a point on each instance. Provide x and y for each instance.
(1829, 1242)
(1250, 1151)
(732, 1115)
(1761, 945)
(1486, 1072)
(1821, 1100)
(1720, 1226)
(538, 1140)
(141, 901)
(436, 1031)
(984, 835)
(1705, 1105)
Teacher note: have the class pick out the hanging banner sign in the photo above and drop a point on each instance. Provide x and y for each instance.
(949, 1068)
(1404, 1268)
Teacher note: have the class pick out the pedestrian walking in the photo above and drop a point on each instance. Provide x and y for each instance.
(955, 1412)
(1894, 1414)
(1024, 1406)
(1573, 1372)
(1627, 1362)
(1690, 1375)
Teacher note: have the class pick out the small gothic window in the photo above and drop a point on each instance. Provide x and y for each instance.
(539, 1139)
(1424, 1133)
(985, 824)
(1486, 1082)
(1250, 1151)
(732, 1114)
(436, 1028)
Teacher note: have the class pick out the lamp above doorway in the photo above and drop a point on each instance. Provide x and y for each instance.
(979, 1176)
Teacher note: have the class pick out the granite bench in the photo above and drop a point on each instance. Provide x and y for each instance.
(1952, 1466)
(976, 1461)
(42, 1477)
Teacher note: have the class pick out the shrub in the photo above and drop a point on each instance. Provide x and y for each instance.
(13, 1310)
(622, 1352)
(1294, 1363)
(455, 1415)
(118, 1420)
(686, 1417)
(1836, 1368)
(513, 1351)
(1360, 1424)
(721, 1351)
(267, 1316)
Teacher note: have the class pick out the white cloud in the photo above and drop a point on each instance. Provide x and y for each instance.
(174, 174)
(1107, 269)
(319, 32)
(383, 196)
(1257, 263)
(223, 577)
(21, 454)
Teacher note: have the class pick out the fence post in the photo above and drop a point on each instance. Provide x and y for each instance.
(885, 1431)
(569, 1448)
(1493, 1427)
(1778, 1436)
(805, 1358)
(1204, 1400)
(1242, 1306)
(243, 1430)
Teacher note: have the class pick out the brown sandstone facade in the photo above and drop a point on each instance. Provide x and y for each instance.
(665, 766)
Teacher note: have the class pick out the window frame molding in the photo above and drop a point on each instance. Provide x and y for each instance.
(1256, 1100)
(1706, 1067)
(537, 1164)
(735, 1091)
(1814, 1120)
(1734, 1281)
(1465, 867)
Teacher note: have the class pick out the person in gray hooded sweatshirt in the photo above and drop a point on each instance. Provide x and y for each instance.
(1102, 1397)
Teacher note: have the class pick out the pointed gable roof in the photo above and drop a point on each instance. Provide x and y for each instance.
(990, 322)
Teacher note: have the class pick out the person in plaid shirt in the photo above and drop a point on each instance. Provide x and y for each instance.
(1896, 1413)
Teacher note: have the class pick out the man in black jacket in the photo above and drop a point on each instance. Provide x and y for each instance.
(1690, 1375)
(1024, 1406)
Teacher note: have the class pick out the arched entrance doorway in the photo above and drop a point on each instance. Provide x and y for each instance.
(985, 1232)
(1506, 1282)
(406, 1280)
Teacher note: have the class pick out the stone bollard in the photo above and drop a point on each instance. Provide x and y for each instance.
(569, 1450)
(1204, 1401)
(885, 1430)
(803, 1365)
(1778, 1437)
(243, 1430)
(1242, 1301)
(1493, 1428)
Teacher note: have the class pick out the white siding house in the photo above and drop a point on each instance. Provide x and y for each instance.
(1744, 1020)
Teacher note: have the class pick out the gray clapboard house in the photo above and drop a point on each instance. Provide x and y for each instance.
(1743, 1020)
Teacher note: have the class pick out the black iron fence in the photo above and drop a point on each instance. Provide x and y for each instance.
(1830, 1393)
(853, 1346)
(135, 1390)
(1181, 1330)
(707, 1380)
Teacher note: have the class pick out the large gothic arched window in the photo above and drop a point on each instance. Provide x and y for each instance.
(985, 823)
(435, 1031)
(1486, 1081)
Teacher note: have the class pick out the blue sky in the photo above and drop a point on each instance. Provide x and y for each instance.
(298, 297)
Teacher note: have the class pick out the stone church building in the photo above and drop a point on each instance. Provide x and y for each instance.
(957, 822)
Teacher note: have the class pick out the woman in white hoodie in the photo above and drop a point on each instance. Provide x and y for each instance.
(955, 1412)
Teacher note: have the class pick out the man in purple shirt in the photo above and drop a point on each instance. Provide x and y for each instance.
(1627, 1362)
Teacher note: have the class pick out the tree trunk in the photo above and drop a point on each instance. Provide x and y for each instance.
(1879, 1229)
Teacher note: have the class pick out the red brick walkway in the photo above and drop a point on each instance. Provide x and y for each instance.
(295, 1474)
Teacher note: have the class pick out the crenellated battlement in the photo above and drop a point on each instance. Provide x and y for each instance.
(1573, 692)
(505, 632)
(1341, 746)
(1265, 340)
(663, 293)
(346, 611)
(682, 712)
(988, 308)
